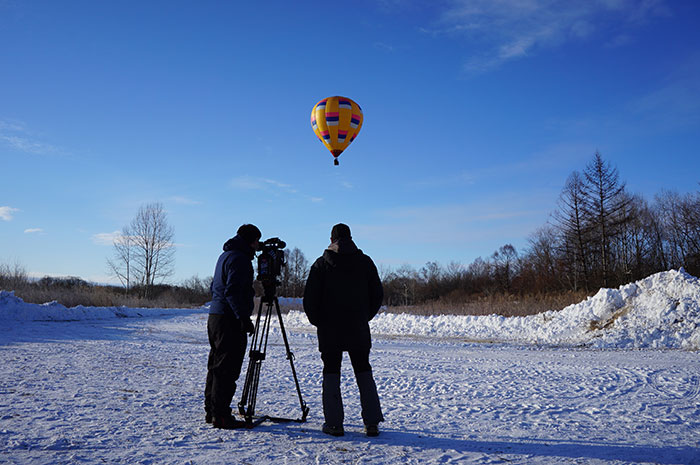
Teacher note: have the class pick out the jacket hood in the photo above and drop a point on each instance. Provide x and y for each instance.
(340, 252)
(238, 243)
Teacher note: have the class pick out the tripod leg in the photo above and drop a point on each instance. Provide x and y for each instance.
(249, 372)
(246, 406)
(290, 357)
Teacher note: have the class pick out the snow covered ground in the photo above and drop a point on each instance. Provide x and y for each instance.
(612, 380)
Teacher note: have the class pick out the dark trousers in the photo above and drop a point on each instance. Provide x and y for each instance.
(332, 399)
(228, 343)
(332, 360)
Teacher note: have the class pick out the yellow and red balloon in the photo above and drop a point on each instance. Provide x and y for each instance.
(336, 122)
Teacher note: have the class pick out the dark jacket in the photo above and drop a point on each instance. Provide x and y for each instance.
(232, 287)
(343, 293)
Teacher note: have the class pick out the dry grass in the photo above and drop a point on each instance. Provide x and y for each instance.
(99, 297)
(500, 305)
(504, 305)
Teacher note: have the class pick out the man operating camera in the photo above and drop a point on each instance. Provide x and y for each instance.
(229, 320)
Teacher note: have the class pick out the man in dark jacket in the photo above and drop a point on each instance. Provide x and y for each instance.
(229, 321)
(343, 293)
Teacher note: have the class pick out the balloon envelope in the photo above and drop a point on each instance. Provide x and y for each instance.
(336, 122)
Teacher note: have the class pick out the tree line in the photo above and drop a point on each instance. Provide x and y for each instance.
(72, 290)
(600, 235)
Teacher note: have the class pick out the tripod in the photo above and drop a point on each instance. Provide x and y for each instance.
(258, 350)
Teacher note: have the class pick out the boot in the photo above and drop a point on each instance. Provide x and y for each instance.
(333, 430)
(227, 422)
(369, 399)
(332, 401)
(371, 431)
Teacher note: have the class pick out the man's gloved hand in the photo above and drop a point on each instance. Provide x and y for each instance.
(247, 325)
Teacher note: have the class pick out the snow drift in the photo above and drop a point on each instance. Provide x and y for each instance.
(660, 312)
(15, 309)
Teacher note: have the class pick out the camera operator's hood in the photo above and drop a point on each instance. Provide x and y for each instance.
(238, 243)
(339, 251)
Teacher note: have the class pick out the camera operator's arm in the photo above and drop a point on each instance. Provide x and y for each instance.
(313, 293)
(239, 291)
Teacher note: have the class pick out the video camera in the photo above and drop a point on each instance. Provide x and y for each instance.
(270, 263)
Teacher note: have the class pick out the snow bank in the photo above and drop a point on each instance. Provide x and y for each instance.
(14, 308)
(660, 312)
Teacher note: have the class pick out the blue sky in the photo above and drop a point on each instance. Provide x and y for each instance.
(475, 112)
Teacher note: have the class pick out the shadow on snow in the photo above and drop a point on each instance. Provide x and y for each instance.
(108, 329)
(566, 448)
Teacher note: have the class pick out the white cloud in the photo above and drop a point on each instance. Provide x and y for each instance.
(6, 213)
(16, 135)
(255, 183)
(512, 29)
(6, 125)
(30, 146)
(185, 201)
(677, 103)
(106, 238)
(274, 183)
(267, 185)
(33, 230)
(384, 47)
(247, 183)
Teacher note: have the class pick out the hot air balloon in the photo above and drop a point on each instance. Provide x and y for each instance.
(336, 121)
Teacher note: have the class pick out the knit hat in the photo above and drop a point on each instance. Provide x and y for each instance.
(249, 233)
(340, 231)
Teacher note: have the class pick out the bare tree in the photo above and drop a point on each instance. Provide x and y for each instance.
(605, 202)
(384, 271)
(573, 226)
(151, 254)
(13, 277)
(479, 273)
(505, 266)
(659, 260)
(634, 245)
(541, 258)
(400, 286)
(120, 264)
(680, 218)
(431, 274)
(297, 270)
